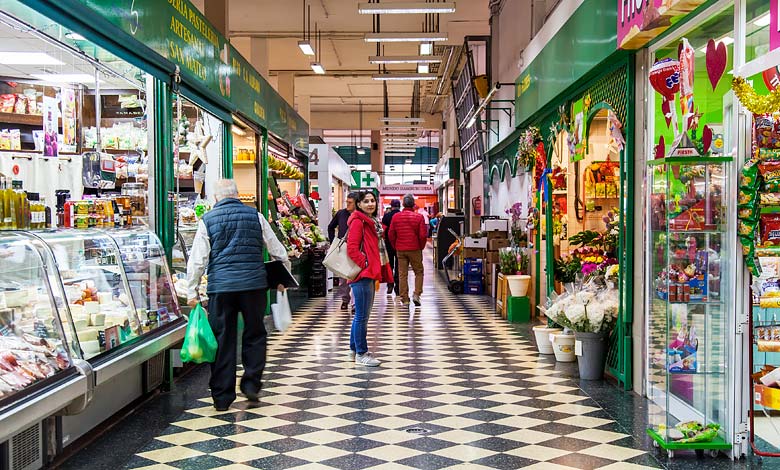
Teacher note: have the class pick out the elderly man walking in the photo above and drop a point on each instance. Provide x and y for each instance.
(228, 245)
(408, 234)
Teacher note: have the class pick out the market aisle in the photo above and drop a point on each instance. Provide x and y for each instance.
(458, 388)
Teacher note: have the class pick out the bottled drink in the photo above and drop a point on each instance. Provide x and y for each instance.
(9, 207)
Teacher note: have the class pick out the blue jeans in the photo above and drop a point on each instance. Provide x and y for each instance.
(363, 292)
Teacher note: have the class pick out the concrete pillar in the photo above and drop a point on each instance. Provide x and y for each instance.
(377, 157)
(216, 11)
(303, 106)
(286, 86)
(258, 55)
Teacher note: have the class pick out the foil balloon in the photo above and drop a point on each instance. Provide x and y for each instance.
(687, 74)
(665, 77)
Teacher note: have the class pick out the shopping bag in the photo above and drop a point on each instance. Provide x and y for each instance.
(281, 311)
(200, 344)
(338, 261)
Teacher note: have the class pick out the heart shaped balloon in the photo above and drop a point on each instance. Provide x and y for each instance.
(660, 149)
(716, 58)
(665, 77)
(706, 138)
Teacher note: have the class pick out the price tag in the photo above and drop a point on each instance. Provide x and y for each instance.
(578, 348)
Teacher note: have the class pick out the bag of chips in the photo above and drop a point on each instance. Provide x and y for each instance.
(749, 177)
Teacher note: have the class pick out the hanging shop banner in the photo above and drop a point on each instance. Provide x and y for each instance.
(176, 30)
(68, 102)
(577, 49)
(51, 114)
(640, 21)
(774, 24)
(401, 189)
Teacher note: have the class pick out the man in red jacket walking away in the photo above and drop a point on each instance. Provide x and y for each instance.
(408, 235)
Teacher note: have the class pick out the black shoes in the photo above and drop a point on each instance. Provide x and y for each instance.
(250, 392)
(344, 305)
(221, 407)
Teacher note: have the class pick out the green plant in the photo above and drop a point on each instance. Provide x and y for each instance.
(585, 238)
(566, 270)
(507, 261)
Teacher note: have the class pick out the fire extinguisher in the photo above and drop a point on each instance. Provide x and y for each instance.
(476, 204)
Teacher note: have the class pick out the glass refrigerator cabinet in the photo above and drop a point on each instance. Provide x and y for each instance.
(33, 349)
(689, 290)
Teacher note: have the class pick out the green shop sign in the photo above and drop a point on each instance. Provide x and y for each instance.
(177, 31)
(586, 40)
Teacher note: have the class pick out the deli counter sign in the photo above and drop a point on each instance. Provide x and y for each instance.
(401, 189)
(640, 21)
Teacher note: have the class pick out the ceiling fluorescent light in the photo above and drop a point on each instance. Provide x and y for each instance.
(65, 77)
(306, 47)
(361, 151)
(405, 37)
(237, 130)
(318, 68)
(426, 48)
(397, 119)
(407, 8)
(404, 59)
(27, 58)
(725, 40)
(423, 68)
(762, 21)
(404, 76)
(75, 36)
(408, 161)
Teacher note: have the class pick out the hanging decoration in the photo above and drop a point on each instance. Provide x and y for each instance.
(716, 59)
(541, 165)
(616, 131)
(527, 154)
(687, 76)
(755, 103)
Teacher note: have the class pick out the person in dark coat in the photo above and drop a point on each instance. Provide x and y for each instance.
(395, 208)
(340, 221)
(228, 245)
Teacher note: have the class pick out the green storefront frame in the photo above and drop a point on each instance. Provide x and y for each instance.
(106, 25)
(610, 88)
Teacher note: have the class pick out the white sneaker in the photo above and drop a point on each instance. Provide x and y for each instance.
(367, 360)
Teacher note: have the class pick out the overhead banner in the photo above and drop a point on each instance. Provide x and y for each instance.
(402, 189)
(177, 31)
(640, 21)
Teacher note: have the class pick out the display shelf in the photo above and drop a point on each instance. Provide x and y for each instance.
(23, 119)
(690, 160)
(243, 163)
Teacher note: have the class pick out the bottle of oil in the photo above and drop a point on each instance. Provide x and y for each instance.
(2, 205)
(9, 207)
(22, 206)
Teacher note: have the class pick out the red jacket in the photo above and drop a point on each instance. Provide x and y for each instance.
(362, 230)
(408, 231)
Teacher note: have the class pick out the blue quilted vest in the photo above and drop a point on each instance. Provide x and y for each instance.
(236, 259)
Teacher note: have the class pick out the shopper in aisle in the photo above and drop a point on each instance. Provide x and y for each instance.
(366, 248)
(408, 234)
(395, 208)
(228, 245)
(339, 221)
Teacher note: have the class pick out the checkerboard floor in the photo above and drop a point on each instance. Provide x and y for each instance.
(458, 388)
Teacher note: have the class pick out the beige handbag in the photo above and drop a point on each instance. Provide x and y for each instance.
(338, 261)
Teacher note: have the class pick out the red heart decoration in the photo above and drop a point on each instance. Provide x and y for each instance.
(717, 58)
(660, 149)
(706, 138)
(666, 108)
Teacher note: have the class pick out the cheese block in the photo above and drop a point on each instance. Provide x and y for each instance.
(91, 307)
(76, 310)
(91, 347)
(80, 324)
(98, 319)
(43, 312)
(87, 334)
(104, 297)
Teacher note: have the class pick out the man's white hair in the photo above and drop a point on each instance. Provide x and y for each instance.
(225, 188)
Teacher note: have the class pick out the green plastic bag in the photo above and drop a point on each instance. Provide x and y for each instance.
(200, 344)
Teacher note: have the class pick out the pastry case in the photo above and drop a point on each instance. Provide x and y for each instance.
(689, 292)
(33, 345)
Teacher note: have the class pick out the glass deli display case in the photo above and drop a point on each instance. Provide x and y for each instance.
(33, 347)
(689, 291)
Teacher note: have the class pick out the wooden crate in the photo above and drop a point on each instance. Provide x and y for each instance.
(502, 291)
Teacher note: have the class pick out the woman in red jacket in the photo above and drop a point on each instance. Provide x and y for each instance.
(365, 249)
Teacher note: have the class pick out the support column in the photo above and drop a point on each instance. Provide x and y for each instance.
(216, 11)
(163, 165)
(377, 158)
(258, 55)
(303, 106)
(285, 86)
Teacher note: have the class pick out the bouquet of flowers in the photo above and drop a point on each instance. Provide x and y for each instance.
(527, 148)
(514, 261)
(591, 308)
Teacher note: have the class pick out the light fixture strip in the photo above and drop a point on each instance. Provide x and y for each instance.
(404, 76)
(405, 8)
(405, 37)
(405, 59)
(399, 119)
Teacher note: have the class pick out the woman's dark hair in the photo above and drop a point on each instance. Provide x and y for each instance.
(362, 195)
(352, 195)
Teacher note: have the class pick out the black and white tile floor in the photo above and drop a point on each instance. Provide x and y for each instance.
(458, 388)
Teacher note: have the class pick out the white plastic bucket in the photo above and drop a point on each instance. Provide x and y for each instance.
(563, 347)
(518, 284)
(542, 334)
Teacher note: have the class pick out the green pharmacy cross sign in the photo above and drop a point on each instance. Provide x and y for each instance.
(367, 180)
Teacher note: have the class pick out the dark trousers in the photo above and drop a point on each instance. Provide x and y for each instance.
(393, 257)
(223, 317)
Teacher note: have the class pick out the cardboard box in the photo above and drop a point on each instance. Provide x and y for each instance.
(492, 257)
(478, 253)
(498, 243)
(766, 396)
(470, 242)
(491, 225)
(496, 235)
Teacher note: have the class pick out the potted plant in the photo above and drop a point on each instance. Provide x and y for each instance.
(514, 263)
(590, 311)
(566, 270)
